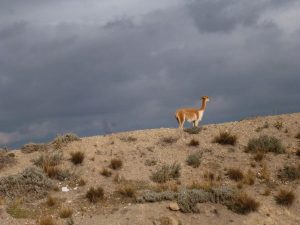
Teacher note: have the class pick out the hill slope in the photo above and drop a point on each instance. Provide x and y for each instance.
(142, 153)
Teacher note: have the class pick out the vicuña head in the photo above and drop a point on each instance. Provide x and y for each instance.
(192, 115)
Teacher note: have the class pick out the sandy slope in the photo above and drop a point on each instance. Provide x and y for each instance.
(99, 150)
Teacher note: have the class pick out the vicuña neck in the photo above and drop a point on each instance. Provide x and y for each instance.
(203, 106)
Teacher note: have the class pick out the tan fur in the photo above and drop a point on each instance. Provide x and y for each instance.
(192, 115)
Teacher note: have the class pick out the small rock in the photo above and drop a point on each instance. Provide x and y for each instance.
(65, 189)
(174, 206)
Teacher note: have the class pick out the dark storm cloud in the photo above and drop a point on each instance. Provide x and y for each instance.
(64, 73)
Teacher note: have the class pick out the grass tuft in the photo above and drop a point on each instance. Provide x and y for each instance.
(33, 147)
(95, 194)
(62, 140)
(289, 173)
(193, 143)
(169, 140)
(225, 138)
(48, 220)
(285, 197)
(77, 157)
(235, 174)
(243, 204)
(105, 172)
(116, 164)
(65, 212)
(194, 160)
(278, 125)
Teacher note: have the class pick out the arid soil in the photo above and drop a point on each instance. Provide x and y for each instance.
(142, 153)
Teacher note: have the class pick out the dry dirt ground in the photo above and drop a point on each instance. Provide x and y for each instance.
(143, 152)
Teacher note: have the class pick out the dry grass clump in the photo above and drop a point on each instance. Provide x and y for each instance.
(298, 152)
(285, 197)
(33, 147)
(193, 143)
(151, 162)
(95, 194)
(77, 157)
(128, 139)
(278, 125)
(166, 172)
(116, 164)
(48, 220)
(50, 202)
(225, 138)
(62, 140)
(6, 160)
(265, 144)
(48, 159)
(127, 189)
(194, 160)
(169, 140)
(65, 212)
(289, 173)
(235, 174)
(297, 135)
(31, 183)
(105, 172)
(243, 204)
(81, 182)
(170, 185)
(259, 156)
(249, 178)
(193, 130)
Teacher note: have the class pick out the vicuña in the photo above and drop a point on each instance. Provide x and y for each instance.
(192, 115)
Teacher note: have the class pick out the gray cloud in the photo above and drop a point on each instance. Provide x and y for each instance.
(131, 71)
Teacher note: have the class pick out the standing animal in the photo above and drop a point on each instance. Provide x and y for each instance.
(192, 115)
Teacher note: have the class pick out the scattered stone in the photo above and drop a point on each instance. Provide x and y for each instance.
(65, 189)
(174, 206)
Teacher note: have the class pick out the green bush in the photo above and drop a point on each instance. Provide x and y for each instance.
(194, 160)
(265, 144)
(166, 172)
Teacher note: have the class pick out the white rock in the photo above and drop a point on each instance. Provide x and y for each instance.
(174, 206)
(65, 189)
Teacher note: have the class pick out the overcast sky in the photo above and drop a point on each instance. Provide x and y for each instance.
(99, 66)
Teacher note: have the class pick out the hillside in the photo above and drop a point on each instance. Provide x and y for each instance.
(138, 176)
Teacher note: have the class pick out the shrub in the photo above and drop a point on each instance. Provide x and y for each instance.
(194, 160)
(193, 143)
(33, 147)
(243, 204)
(94, 195)
(297, 135)
(116, 164)
(77, 157)
(166, 172)
(265, 144)
(31, 183)
(6, 160)
(285, 197)
(278, 125)
(65, 212)
(193, 130)
(48, 220)
(235, 174)
(225, 138)
(289, 173)
(105, 172)
(62, 140)
(56, 172)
